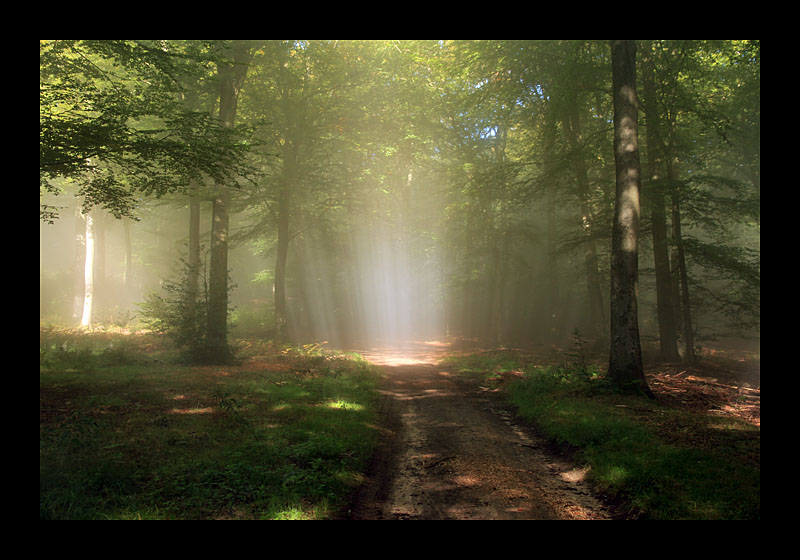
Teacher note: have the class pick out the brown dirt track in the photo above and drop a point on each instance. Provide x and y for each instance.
(452, 450)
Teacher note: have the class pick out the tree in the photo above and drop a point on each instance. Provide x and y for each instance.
(657, 173)
(481, 171)
(304, 91)
(625, 363)
(88, 275)
(110, 118)
(231, 73)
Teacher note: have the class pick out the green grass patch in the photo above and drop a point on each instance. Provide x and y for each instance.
(486, 366)
(130, 436)
(631, 443)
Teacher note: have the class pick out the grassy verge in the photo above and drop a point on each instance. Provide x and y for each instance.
(655, 461)
(127, 434)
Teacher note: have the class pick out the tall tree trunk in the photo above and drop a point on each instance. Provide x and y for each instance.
(99, 225)
(571, 126)
(231, 77)
(469, 289)
(680, 267)
(190, 98)
(499, 242)
(667, 325)
(664, 306)
(78, 285)
(497, 296)
(217, 321)
(625, 362)
(88, 274)
(193, 256)
(679, 276)
(289, 183)
(552, 305)
(281, 321)
(128, 274)
(193, 303)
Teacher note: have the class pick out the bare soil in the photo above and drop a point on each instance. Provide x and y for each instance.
(451, 449)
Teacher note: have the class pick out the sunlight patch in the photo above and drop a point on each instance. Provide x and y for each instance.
(575, 475)
(345, 405)
(206, 410)
(467, 480)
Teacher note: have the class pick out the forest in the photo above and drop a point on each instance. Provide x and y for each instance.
(319, 198)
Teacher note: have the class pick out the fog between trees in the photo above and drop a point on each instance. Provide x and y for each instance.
(385, 191)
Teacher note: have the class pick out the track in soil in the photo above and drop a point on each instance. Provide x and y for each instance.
(452, 450)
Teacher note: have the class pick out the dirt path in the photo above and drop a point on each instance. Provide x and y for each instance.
(451, 450)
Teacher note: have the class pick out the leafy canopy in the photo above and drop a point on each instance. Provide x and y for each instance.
(112, 118)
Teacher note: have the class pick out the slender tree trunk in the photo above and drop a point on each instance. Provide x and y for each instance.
(193, 256)
(656, 172)
(552, 305)
(289, 183)
(100, 224)
(571, 126)
(467, 322)
(679, 277)
(78, 286)
(217, 326)
(88, 274)
(664, 306)
(499, 242)
(281, 321)
(128, 275)
(497, 297)
(190, 98)
(625, 363)
(680, 263)
(231, 77)
(193, 303)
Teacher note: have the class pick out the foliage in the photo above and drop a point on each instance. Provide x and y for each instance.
(581, 363)
(490, 161)
(179, 311)
(253, 321)
(69, 351)
(111, 119)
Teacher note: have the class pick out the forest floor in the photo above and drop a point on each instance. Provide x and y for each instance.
(127, 434)
(452, 447)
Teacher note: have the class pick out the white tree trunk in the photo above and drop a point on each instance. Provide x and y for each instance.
(88, 275)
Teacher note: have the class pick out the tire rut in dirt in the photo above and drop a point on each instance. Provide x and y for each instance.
(450, 451)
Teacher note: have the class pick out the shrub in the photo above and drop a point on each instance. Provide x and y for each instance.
(180, 311)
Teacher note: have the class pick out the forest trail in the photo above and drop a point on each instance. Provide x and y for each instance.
(452, 450)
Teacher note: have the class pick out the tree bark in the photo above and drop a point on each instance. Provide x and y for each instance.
(128, 275)
(281, 321)
(656, 172)
(231, 77)
(88, 274)
(680, 265)
(78, 285)
(193, 256)
(552, 305)
(625, 362)
(288, 184)
(571, 125)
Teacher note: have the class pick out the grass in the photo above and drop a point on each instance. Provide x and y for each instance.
(653, 461)
(126, 433)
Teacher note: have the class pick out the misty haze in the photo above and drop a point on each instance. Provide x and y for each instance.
(279, 267)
